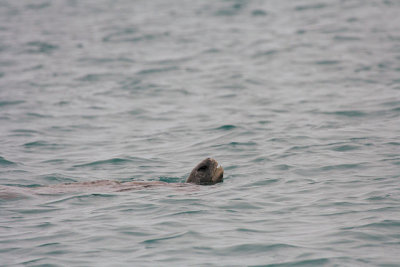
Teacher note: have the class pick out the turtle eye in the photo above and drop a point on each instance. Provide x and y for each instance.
(202, 168)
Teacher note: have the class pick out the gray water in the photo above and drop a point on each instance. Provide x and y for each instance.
(299, 101)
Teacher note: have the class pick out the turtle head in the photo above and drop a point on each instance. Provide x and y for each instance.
(206, 172)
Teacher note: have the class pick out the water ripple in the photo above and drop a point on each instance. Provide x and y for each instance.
(297, 100)
(113, 161)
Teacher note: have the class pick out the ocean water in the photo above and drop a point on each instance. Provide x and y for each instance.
(299, 101)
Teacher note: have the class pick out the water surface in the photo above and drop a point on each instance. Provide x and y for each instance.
(298, 100)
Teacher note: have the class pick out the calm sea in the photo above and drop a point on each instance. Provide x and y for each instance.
(299, 101)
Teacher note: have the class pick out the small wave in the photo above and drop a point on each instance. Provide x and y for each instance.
(346, 38)
(96, 77)
(10, 103)
(134, 233)
(4, 162)
(260, 159)
(120, 34)
(43, 144)
(170, 179)
(347, 113)
(231, 10)
(396, 109)
(340, 167)
(137, 111)
(264, 182)
(38, 6)
(226, 127)
(247, 249)
(24, 131)
(188, 212)
(241, 205)
(266, 53)
(157, 70)
(38, 115)
(52, 178)
(258, 12)
(395, 81)
(327, 62)
(106, 60)
(310, 7)
(48, 244)
(35, 144)
(54, 161)
(250, 143)
(76, 197)
(36, 210)
(132, 37)
(394, 143)
(212, 51)
(113, 161)
(345, 148)
(385, 224)
(283, 167)
(312, 262)
(247, 230)
(363, 68)
(37, 47)
(168, 237)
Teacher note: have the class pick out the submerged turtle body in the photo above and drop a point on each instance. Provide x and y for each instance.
(207, 172)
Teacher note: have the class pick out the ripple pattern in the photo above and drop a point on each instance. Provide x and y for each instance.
(298, 100)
